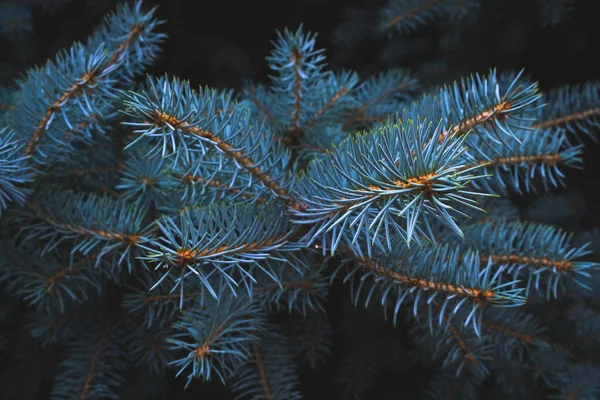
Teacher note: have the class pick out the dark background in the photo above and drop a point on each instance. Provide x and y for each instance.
(220, 43)
(224, 43)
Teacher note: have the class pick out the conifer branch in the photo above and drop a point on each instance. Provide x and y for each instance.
(219, 185)
(261, 371)
(417, 8)
(483, 117)
(129, 239)
(243, 237)
(566, 119)
(159, 113)
(328, 105)
(95, 360)
(259, 104)
(543, 262)
(479, 296)
(297, 87)
(468, 354)
(509, 332)
(88, 80)
(549, 159)
(237, 155)
(149, 299)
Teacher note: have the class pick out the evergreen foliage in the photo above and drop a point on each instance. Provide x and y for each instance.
(200, 233)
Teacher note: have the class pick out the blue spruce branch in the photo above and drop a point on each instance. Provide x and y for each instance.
(168, 227)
